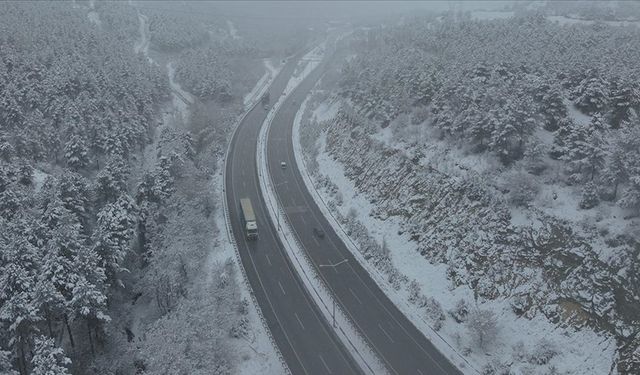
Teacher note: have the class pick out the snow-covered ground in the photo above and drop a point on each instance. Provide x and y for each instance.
(305, 66)
(233, 32)
(579, 352)
(262, 85)
(181, 98)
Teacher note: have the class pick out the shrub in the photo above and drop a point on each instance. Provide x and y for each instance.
(590, 197)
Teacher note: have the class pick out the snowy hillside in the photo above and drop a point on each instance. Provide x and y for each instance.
(508, 159)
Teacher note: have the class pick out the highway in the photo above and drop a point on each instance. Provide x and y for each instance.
(304, 337)
(396, 341)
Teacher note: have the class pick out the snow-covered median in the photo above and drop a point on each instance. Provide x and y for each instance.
(534, 346)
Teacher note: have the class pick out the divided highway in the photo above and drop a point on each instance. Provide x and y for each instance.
(396, 341)
(304, 337)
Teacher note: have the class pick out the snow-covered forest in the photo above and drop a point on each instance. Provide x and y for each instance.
(109, 191)
(509, 152)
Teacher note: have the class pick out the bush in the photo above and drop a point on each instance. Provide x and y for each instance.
(460, 311)
(522, 188)
(543, 352)
(483, 327)
(590, 197)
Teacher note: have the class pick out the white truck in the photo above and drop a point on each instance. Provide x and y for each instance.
(249, 219)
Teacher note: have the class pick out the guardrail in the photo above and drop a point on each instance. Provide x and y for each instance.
(309, 273)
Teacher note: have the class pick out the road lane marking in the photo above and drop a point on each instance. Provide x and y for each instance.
(355, 296)
(385, 333)
(299, 321)
(268, 260)
(281, 288)
(419, 372)
(316, 241)
(325, 364)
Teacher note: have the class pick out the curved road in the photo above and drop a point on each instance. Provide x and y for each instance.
(399, 344)
(304, 337)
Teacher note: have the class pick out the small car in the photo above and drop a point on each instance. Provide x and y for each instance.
(318, 232)
(283, 164)
(266, 107)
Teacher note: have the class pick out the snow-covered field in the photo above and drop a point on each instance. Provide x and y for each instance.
(578, 352)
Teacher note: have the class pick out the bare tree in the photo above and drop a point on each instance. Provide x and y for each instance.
(483, 327)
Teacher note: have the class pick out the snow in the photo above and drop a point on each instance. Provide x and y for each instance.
(490, 15)
(564, 20)
(262, 85)
(143, 44)
(305, 66)
(181, 98)
(576, 115)
(93, 16)
(39, 178)
(583, 351)
(232, 30)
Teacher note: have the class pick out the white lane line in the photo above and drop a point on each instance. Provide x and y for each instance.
(385, 333)
(419, 372)
(303, 220)
(299, 321)
(355, 296)
(325, 364)
(316, 241)
(268, 260)
(244, 184)
(281, 288)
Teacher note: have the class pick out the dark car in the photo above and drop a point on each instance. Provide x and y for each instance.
(318, 232)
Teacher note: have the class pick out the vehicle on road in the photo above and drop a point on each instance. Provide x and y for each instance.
(318, 232)
(266, 107)
(249, 219)
(283, 164)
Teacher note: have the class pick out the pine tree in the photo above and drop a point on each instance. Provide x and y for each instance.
(552, 108)
(76, 153)
(115, 231)
(111, 182)
(623, 99)
(592, 95)
(5, 364)
(48, 359)
(19, 313)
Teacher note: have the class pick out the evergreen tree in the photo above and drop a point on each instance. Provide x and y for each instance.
(48, 359)
(623, 99)
(111, 182)
(114, 234)
(592, 95)
(76, 153)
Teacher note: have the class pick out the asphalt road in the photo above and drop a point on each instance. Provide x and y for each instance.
(304, 337)
(400, 345)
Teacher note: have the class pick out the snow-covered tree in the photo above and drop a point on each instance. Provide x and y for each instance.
(111, 182)
(483, 327)
(115, 230)
(76, 153)
(48, 359)
(592, 95)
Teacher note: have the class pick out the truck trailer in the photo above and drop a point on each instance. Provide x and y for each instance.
(249, 219)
